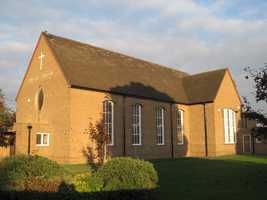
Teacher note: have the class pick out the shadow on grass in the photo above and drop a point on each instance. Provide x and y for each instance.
(61, 195)
(231, 178)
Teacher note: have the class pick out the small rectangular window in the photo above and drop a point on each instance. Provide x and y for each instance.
(244, 121)
(42, 139)
(259, 139)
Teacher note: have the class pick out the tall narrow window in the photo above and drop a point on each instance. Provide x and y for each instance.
(243, 121)
(229, 126)
(108, 116)
(160, 126)
(136, 123)
(180, 127)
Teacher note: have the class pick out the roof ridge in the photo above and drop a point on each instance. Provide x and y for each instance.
(207, 72)
(118, 53)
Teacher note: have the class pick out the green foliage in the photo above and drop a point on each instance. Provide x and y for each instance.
(87, 183)
(78, 168)
(259, 77)
(18, 172)
(7, 117)
(258, 116)
(97, 134)
(128, 173)
(41, 184)
(35, 177)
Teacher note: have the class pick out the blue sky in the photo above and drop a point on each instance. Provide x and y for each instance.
(189, 35)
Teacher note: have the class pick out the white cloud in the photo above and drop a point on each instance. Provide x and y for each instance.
(13, 46)
(232, 26)
(170, 7)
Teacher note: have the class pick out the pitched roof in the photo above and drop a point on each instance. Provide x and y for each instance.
(203, 87)
(87, 66)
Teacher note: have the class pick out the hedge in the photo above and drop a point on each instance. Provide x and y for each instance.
(26, 172)
(36, 178)
(125, 173)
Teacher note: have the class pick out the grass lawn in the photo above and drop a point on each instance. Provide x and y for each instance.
(226, 178)
(79, 168)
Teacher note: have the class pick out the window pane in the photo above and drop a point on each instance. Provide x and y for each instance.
(108, 119)
(180, 126)
(226, 130)
(136, 124)
(160, 125)
(229, 126)
(234, 124)
(45, 139)
(38, 139)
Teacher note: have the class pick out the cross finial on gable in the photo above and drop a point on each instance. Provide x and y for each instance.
(41, 57)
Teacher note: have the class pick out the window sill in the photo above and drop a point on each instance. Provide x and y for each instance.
(42, 145)
(160, 144)
(230, 143)
(136, 145)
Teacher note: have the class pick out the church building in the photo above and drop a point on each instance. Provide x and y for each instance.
(149, 111)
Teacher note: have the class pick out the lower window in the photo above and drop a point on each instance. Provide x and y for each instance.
(42, 139)
(259, 139)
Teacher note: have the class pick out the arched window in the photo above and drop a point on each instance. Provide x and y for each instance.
(40, 99)
(229, 119)
(108, 116)
(160, 126)
(180, 127)
(136, 124)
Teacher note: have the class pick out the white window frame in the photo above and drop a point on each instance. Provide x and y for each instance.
(258, 140)
(180, 125)
(137, 124)
(229, 119)
(42, 139)
(160, 129)
(106, 123)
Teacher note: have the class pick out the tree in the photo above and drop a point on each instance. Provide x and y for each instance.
(2, 101)
(260, 79)
(97, 151)
(7, 118)
(258, 116)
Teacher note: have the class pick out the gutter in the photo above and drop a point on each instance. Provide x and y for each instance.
(123, 124)
(205, 130)
(171, 118)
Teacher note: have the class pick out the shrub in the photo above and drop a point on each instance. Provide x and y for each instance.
(127, 173)
(87, 183)
(19, 172)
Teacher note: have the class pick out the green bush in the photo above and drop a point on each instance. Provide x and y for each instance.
(125, 173)
(87, 183)
(22, 172)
